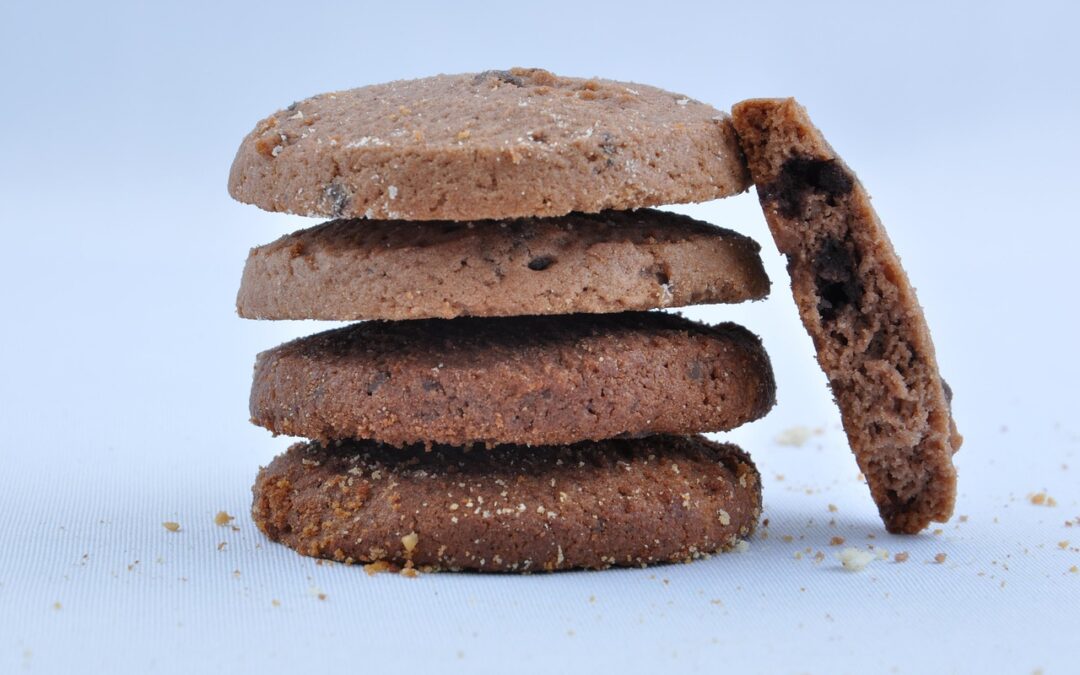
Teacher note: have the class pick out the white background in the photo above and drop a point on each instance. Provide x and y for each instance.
(124, 370)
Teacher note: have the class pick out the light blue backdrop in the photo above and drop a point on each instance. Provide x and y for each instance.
(124, 371)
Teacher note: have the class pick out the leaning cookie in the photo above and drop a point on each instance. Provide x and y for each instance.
(525, 380)
(498, 144)
(608, 262)
(858, 306)
(510, 509)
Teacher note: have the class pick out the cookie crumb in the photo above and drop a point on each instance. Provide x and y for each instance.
(1074, 569)
(57, 606)
(940, 558)
(833, 508)
(171, 526)
(742, 546)
(317, 592)
(275, 602)
(1063, 544)
(378, 566)
(409, 572)
(796, 436)
(902, 556)
(963, 519)
(855, 560)
(836, 541)
(222, 519)
(1042, 499)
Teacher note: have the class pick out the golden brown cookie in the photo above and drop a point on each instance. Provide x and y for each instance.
(529, 380)
(857, 304)
(599, 263)
(510, 509)
(493, 145)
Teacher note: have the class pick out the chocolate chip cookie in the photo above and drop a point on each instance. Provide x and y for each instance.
(597, 263)
(510, 509)
(525, 380)
(857, 304)
(492, 145)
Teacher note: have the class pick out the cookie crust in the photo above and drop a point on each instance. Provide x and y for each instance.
(856, 302)
(524, 380)
(394, 270)
(493, 145)
(589, 505)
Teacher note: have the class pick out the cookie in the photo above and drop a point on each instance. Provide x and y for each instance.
(510, 509)
(858, 306)
(493, 145)
(608, 262)
(527, 380)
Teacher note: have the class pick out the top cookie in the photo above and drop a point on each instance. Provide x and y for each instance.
(856, 302)
(494, 145)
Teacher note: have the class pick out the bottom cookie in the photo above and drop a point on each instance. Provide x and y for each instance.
(627, 502)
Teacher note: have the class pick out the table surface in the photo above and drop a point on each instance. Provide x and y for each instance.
(124, 375)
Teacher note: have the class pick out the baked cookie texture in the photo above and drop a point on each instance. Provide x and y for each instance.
(510, 509)
(492, 145)
(856, 302)
(599, 263)
(522, 380)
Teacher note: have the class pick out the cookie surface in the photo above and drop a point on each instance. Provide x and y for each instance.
(608, 262)
(592, 505)
(525, 380)
(856, 302)
(492, 145)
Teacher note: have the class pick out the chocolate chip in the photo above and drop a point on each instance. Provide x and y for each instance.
(542, 262)
(835, 279)
(380, 378)
(801, 176)
(430, 384)
(501, 75)
(607, 143)
(339, 198)
(948, 391)
(697, 371)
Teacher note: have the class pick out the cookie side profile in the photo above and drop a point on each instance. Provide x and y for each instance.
(510, 509)
(609, 262)
(856, 302)
(493, 145)
(525, 380)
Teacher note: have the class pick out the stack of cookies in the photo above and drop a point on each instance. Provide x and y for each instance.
(507, 401)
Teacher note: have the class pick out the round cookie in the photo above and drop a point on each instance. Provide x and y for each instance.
(608, 262)
(493, 145)
(591, 505)
(526, 380)
(860, 309)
